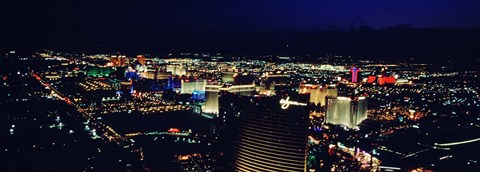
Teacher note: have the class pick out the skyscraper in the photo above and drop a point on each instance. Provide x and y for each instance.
(313, 89)
(327, 91)
(318, 93)
(141, 59)
(177, 70)
(211, 94)
(346, 111)
(271, 132)
(119, 60)
(355, 72)
(211, 99)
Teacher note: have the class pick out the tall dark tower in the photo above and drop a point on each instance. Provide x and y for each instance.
(271, 132)
(155, 84)
(132, 90)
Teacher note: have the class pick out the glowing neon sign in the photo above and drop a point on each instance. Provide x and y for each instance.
(355, 74)
(286, 103)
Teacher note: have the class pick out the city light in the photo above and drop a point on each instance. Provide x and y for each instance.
(240, 86)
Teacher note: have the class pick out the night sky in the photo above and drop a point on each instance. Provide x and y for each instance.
(230, 25)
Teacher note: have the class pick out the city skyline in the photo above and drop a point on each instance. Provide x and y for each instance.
(214, 86)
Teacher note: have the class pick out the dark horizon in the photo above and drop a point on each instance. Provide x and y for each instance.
(397, 29)
(401, 42)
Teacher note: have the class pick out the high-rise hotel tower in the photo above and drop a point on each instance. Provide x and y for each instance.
(271, 132)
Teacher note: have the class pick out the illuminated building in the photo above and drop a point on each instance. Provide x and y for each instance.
(177, 70)
(95, 71)
(155, 85)
(371, 79)
(271, 133)
(330, 67)
(52, 76)
(160, 75)
(188, 86)
(314, 91)
(228, 77)
(141, 59)
(114, 83)
(125, 85)
(347, 90)
(211, 94)
(141, 68)
(119, 60)
(174, 83)
(131, 74)
(402, 82)
(92, 85)
(327, 91)
(355, 72)
(381, 80)
(211, 101)
(266, 89)
(278, 79)
(346, 111)
(198, 95)
(386, 80)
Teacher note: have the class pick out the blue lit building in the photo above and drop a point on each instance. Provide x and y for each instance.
(198, 95)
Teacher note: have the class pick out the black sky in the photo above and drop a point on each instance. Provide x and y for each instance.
(249, 26)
